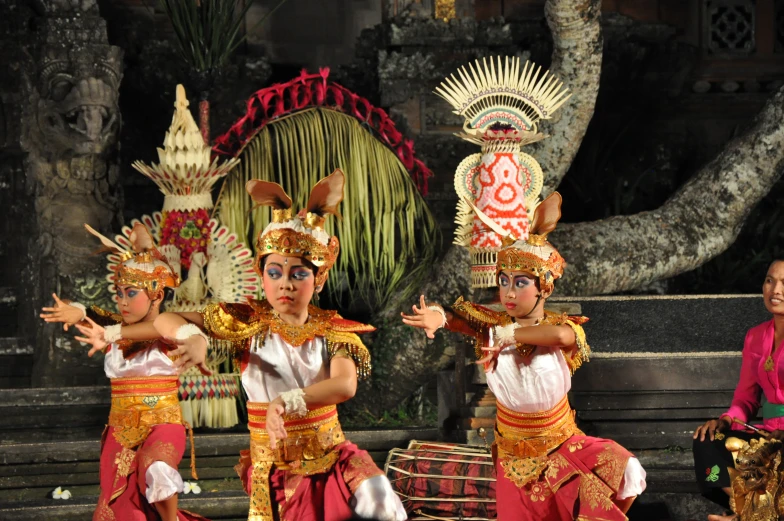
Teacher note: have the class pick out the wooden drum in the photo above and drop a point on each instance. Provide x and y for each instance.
(443, 480)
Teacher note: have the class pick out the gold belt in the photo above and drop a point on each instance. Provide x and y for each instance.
(309, 448)
(534, 435)
(139, 404)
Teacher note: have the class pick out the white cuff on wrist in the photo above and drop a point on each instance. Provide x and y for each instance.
(294, 402)
(77, 305)
(440, 310)
(112, 333)
(505, 335)
(188, 330)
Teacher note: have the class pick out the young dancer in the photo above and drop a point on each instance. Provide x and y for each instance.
(546, 467)
(297, 362)
(144, 440)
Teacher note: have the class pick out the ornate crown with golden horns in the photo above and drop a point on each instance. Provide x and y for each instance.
(301, 235)
(141, 265)
(534, 254)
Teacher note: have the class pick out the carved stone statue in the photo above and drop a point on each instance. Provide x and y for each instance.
(70, 123)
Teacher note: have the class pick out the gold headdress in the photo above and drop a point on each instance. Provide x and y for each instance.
(534, 254)
(142, 266)
(502, 104)
(300, 235)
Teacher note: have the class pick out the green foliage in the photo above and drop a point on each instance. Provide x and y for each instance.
(415, 411)
(208, 31)
(388, 237)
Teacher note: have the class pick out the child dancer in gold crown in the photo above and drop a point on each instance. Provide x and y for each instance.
(297, 362)
(546, 467)
(145, 437)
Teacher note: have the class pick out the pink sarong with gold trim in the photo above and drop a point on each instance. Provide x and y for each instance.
(548, 469)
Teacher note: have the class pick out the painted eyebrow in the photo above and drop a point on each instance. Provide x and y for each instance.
(279, 265)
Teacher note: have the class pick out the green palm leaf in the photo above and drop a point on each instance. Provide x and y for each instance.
(388, 238)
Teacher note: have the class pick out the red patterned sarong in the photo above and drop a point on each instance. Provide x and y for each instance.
(312, 474)
(548, 469)
(145, 426)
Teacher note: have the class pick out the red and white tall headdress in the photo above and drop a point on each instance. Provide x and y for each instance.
(502, 103)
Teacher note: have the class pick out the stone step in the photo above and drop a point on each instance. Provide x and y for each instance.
(16, 358)
(695, 323)
(7, 295)
(15, 346)
(46, 409)
(206, 445)
(659, 372)
(225, 506)
(29, 471)
(633, 405)
(30, 481)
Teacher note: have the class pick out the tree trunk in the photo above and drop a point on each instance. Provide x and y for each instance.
(403, 358)
(577, 61)
(699, 222)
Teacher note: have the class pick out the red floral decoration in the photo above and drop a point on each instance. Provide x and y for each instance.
(187, 230)
(313, 90)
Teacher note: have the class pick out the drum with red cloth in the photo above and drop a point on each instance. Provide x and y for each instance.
(443, 480)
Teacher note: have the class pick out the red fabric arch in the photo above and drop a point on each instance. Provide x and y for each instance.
(314, 90)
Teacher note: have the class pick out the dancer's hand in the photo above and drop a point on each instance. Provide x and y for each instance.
(92, 334)
(62, 312)
(424, 318)
(191, 351)
(711, 427)
(490, 360)
(275, 428)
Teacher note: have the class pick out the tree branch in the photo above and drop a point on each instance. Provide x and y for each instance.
(577, 61)
(699, 222)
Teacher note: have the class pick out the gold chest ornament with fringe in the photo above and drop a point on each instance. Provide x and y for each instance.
(233, 327)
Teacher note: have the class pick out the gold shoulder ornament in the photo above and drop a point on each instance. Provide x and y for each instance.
(345, 344)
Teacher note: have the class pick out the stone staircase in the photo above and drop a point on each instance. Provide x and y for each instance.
(35, 457)
(660, 367)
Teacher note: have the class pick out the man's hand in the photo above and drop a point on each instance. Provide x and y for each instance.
(711, 427)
